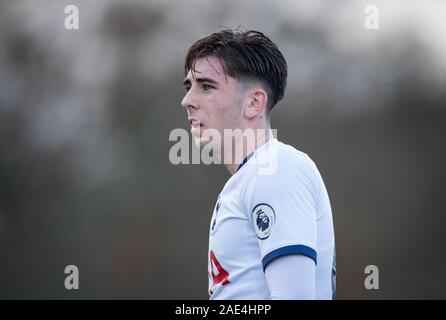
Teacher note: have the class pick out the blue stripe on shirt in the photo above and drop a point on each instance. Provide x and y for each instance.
(294, 249)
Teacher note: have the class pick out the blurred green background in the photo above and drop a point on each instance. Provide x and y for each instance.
(85, 116)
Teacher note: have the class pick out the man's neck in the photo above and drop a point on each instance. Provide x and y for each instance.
(241, 150)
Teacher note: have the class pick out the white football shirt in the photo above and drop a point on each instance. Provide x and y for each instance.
(276, 204)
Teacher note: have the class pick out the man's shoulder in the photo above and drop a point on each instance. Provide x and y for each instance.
(289, 152)
(284, 158)
(287, 174)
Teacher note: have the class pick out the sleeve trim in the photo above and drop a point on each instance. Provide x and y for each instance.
(294, 249)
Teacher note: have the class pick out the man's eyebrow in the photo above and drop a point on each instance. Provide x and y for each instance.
(206, 80)
(200, 80)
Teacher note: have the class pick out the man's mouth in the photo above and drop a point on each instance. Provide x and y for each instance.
(196, 127)
(195, 123)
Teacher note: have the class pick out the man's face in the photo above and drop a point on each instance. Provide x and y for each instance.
(213, 100)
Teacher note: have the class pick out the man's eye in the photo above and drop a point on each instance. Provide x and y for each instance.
(186, 88)
(207, 87)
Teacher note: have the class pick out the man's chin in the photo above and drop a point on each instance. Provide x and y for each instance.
(201, 136)
(208, 146)
(201, 143)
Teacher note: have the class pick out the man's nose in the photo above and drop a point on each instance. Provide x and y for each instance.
(189, 100)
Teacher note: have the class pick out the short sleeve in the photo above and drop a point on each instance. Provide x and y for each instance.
(282, 208)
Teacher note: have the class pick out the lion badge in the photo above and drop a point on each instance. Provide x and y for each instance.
(263, 218)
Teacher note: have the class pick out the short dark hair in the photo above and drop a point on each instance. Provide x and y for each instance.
(247, 55)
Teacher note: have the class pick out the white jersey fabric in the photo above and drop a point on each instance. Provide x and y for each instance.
(276, 204)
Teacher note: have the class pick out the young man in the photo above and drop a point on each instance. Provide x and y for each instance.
(271, 232)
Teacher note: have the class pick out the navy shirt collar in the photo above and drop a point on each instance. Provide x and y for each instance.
(245, 160)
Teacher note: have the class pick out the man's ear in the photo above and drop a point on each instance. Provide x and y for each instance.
(257, 100)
